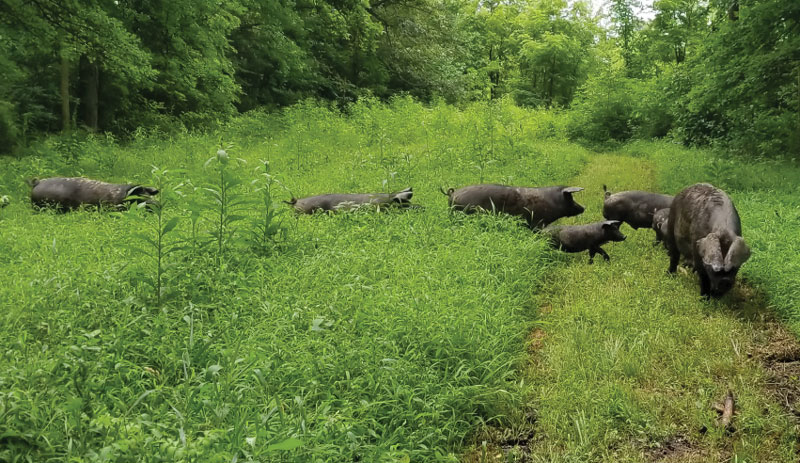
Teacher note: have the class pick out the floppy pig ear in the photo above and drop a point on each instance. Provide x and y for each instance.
(738, 254)
(710, 251)
(403, 196)
(136, 191)
(612, 224)
(572, 189)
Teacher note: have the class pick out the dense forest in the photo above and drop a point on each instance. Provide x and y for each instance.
(719, 72)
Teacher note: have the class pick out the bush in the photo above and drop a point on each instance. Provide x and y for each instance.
(8, 127)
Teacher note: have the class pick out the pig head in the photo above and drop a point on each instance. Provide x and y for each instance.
(704, 227)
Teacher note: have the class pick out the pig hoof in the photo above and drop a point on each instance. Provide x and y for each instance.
(591, 261)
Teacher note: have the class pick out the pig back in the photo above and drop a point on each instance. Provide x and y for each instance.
(71, 192)
(490, 197)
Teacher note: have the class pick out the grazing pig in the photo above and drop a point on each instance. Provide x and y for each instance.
(660, 221)
(579, 238)
(538, 206)
(634, 207)
(705, 229)
(334, 202)
(67, 193)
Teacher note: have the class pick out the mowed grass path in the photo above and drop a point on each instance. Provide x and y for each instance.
(628, 362)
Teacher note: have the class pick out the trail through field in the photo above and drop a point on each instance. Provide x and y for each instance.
(628, 363)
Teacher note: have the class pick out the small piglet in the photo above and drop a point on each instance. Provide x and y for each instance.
(335, 202)
(660, 221)
(538, 206)
(67, 193)
(579, 238)
(705, 229)
(634, 207)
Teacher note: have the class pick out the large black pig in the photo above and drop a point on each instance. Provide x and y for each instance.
(67, 193)
(705, 229)
(334, 202)
(538, 206)
(634, 207)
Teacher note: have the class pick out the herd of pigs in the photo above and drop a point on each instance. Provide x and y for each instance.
(700, 223)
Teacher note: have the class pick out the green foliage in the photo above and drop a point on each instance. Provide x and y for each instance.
(554, 43)
(226, 200)
(750, 100)
(362, 336)
(603, 110)
(153, 243)
(266, 229)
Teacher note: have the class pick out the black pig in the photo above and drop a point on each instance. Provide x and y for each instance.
(660, 221)
(334, 202)
(579, 238)
(538, 206)
(705, 229)
(634, 207)
(67, 193)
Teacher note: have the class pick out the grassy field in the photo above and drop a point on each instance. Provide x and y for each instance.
(414, 335)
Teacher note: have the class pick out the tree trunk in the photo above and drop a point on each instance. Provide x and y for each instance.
(64, 92)
(90, 77)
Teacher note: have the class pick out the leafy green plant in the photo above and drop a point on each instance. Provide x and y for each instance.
(149, 217)
(266, 229)
(226, 199)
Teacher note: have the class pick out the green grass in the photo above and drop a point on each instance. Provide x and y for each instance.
(401, 336)
(766, 193)
(365, 336)
(628, 358)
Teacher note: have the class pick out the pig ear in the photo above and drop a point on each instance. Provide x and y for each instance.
(150, 190)
(403, 196)
(612, 224)
(572, 189)
(738, 254)
(710, 251)
(136, 191)
(292, 201)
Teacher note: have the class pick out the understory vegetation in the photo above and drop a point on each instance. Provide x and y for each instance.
(222, 325)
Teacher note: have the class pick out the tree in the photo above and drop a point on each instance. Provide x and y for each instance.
(626, 24)
(555, 45)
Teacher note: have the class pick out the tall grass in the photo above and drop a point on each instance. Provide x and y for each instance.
(360, 337)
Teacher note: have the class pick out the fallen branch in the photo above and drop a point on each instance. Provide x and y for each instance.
(727, 412)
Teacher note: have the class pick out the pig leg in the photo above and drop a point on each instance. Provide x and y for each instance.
(592, 252)
(603, 253)
(674, 257)
(705, 284)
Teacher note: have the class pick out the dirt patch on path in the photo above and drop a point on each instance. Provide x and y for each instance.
(780, 355)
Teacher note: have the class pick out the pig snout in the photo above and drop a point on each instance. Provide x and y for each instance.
(572, 207)
(612, 232)
(720, 283)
